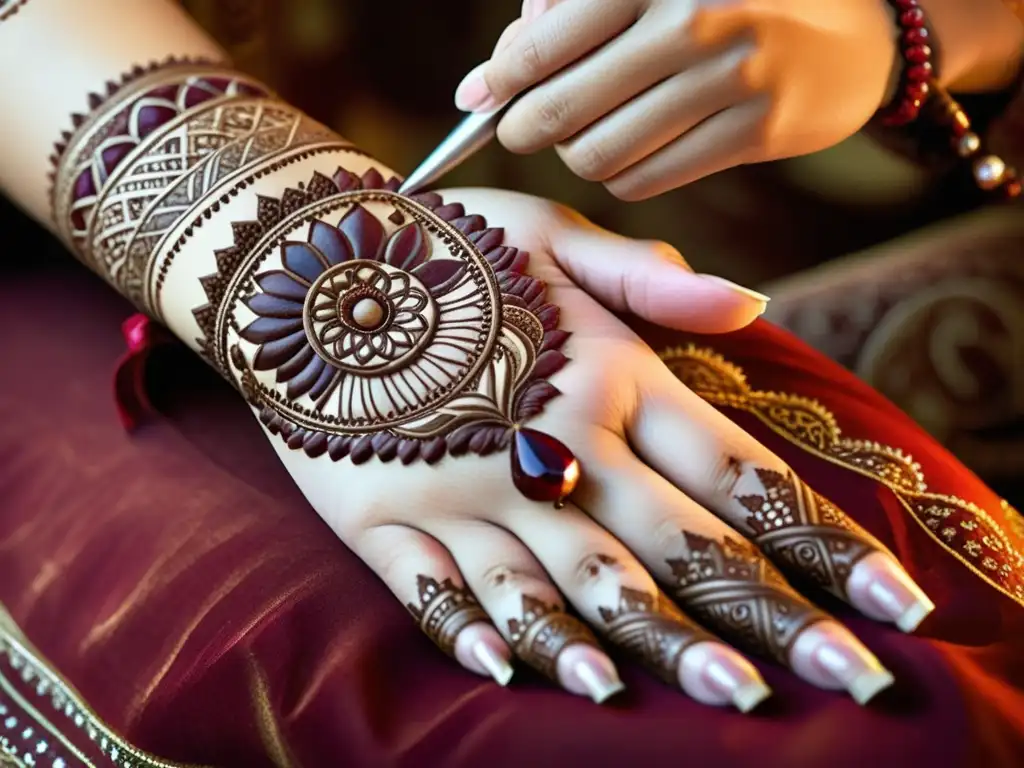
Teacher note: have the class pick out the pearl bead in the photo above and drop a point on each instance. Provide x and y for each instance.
(968, 144)
(367, 313)
(989, 172)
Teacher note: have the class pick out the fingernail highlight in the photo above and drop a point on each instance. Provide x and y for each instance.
(841, 661)
(586, 670)
(737, 288)
(473, 94)
(715, 674)
(883, 583)
(496, 665)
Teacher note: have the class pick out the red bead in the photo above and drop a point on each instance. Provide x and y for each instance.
(916, 36)
(543, 469)
(918, 54)
(905, 112)
(1012, 189)
(912, 18)
(919, 72)
(905, 5)
(916, 91)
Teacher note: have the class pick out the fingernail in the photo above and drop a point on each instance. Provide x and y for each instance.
(495, 664)
(879, 580)
(532, 9)
(848, 664)
(713, 673)
(737, 288)
(584, 669)
(473, 95)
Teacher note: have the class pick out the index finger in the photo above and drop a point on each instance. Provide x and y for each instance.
(556, 39)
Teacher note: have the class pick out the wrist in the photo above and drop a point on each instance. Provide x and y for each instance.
(980, 43)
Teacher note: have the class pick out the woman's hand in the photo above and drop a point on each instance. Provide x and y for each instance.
(674, 502)
(649, 95)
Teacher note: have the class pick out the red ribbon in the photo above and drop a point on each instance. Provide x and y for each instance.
(141, 336)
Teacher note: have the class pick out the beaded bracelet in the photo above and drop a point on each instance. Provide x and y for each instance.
(919, 87)
(915, 80)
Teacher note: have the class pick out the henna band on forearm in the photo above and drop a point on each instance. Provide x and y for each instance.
(359, 323)
(805, 533)
(736, 592)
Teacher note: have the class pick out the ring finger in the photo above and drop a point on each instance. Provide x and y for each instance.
(613, 592)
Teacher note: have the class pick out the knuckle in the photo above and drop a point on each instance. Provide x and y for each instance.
(592, 566)
(552, 114)
(588, 160)
(724, 475)
(503, 577)
(530, 57)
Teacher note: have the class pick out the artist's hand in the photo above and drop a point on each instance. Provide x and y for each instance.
(649, 95)
(672, 494)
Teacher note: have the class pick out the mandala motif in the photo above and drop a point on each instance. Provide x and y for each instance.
(363, 323)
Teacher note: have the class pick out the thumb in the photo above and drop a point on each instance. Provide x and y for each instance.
(651, 280)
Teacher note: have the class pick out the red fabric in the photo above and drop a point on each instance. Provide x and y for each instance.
(178, 579)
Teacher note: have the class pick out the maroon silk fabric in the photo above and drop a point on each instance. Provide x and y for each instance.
(181, 583)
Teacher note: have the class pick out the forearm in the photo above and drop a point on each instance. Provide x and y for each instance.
(159, 171)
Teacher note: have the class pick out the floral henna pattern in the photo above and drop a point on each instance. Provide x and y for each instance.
(731, 588)
(806, 533)
(444, 610)
(370, 324)
(543, 632)
(652, 630)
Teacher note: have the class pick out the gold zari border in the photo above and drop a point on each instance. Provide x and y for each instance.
(19, 659)
(990, 545)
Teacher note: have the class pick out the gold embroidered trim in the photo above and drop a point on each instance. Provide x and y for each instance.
(19, 659)
(991, 546)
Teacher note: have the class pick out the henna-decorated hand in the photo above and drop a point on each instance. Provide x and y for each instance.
(399, 353)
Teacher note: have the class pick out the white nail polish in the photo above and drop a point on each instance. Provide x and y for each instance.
(911, 619)
(599, 683)
(906, 603)
(745, 693)
(497, 666)
(737, 288)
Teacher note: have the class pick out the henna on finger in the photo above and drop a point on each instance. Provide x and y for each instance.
(805, 533)
(543, 631)
(652, 630)
(444, 610)
(732, 589)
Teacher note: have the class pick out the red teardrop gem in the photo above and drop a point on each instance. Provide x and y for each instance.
(543, 469)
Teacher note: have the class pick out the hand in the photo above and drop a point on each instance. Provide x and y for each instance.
(670, 488)
(649, 95)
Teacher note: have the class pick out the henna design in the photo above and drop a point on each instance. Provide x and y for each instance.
(10, 7)
(543, 632)
(805, 532)
(370, 324)
(652, 630)
(156, 147)
(732, 589)
(444, 610)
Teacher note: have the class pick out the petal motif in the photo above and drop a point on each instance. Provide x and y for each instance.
(408, 247)
(304, 260)
(307, 377)
(267, 305)
(440, 275)
(364, 233)
(278, 283)
(296, 365)
(265, 329)
(277, 353)
(330, 242)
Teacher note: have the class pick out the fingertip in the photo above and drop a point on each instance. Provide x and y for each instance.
(587, 671)
(715, 674)
(473, 94)
(480, 649)
(882, 589)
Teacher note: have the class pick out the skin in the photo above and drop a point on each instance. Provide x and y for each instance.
(648, 95)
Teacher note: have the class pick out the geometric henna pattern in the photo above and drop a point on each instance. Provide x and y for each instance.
(362, 323)
(152, 152)
(805, 532)
(732, 589)
(652, 630)
(444, 610)
(543, 632)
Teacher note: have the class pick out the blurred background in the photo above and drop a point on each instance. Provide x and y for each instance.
(879, 262)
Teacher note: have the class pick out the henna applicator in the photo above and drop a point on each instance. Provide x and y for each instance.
(474, 133)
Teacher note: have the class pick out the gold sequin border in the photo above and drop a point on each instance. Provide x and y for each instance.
(990, 545)
(48, 690)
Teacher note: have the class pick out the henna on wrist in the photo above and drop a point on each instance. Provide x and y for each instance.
(805, 533)
(737, 593)
(652, 630)
(542, 632)
(444, 610)
(358, 323)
